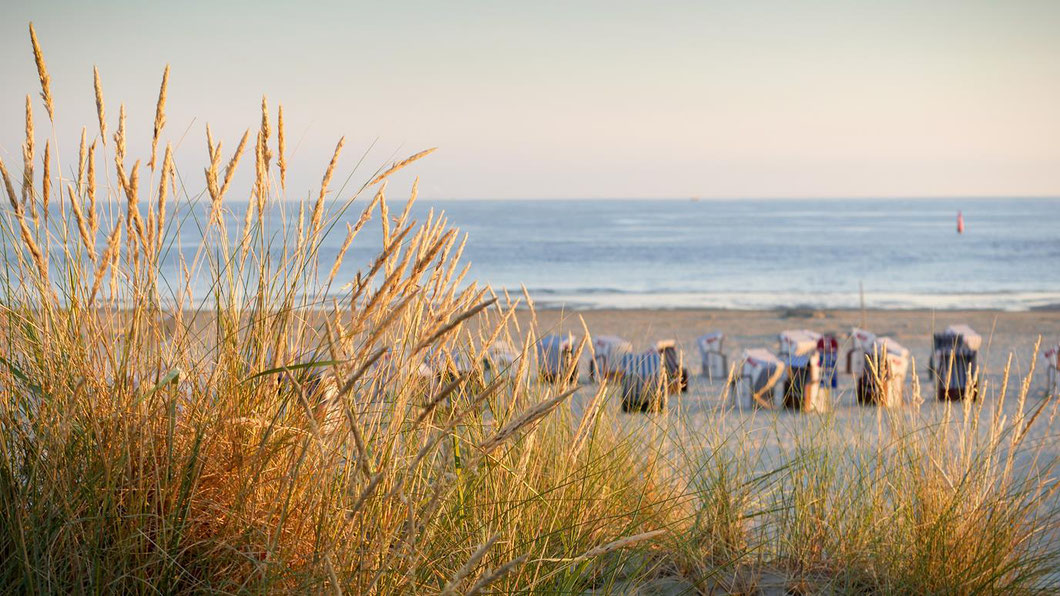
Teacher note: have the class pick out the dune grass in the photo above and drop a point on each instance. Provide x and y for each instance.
(262, 435)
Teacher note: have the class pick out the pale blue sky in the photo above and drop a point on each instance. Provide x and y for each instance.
(587, 99)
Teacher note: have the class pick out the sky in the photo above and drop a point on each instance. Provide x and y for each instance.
(749, 98)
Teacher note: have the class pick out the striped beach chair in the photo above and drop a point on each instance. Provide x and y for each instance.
(954, 363)
(644, 382)
(673, 365)
(555, 357)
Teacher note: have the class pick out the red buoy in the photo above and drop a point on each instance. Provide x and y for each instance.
(960, 223)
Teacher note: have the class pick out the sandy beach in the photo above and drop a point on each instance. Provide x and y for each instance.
(1003, 332)
(704, 415)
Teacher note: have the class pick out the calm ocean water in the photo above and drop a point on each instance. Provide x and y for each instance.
(768, 253)
(749, 253)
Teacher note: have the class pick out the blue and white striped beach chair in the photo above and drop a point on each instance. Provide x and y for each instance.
(555, 357)
(644, 382)
(954, 363)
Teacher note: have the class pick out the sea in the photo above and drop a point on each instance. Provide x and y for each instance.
(759, 254)
(738, 254)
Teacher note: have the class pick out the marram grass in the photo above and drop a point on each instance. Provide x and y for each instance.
(255, 437)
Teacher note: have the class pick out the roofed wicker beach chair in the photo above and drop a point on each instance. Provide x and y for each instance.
(645, 384)
(882, 380)
(715, 364)
(758, 382)
(828, 347)
(860, 345)
(606, 362)
(1052, 371)
(954, 363)
(443, 365)
(673, 361)
(555, 358)
(802, 360)
(499, 359)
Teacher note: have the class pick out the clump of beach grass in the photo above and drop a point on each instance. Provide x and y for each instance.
(271, 429)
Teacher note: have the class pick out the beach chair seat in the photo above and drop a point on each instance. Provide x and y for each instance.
(882, 381)
(759, 378)
(608, 351)
(714, 363)
(954, 363)
(555, 357)
(644, 382)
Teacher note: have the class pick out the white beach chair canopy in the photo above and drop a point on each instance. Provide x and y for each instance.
(862, 339)
(965, 336)
(798, 342)
(605, 345)
(890, 347)
(1052, 356)
(711, 342)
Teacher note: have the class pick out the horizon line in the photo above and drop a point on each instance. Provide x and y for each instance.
(758, 198)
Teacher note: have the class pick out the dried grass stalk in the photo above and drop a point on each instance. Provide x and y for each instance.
(495, 575)
(101, 113)
(110, 256)
(27, 157)
(87, 239)
(524, 420)
(93, 220)
(401, 164)
(316, 222)
(27, 235)
(82, 150)
(42, 71)
(46, 180)
(160, 117)
(469, 565)
(281, 161)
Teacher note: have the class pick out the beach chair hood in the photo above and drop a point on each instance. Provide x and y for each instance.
(862, 339)
(710, 342)
(799, 342)
(605, 345)
(965, 337)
